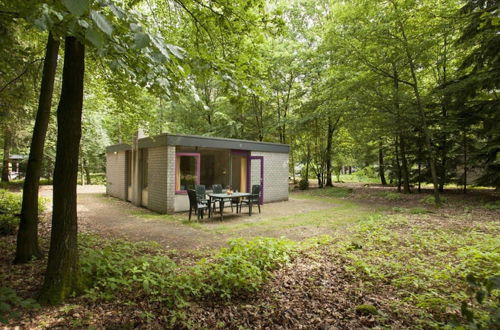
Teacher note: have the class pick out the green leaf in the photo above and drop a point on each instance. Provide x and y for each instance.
(141, 40)
(176, 51)
(101, 22)
(95, 37)
(76, 7)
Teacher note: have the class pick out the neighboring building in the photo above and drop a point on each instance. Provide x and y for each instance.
(157, 171)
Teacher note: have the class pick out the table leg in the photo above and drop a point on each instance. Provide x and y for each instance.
(250, 207)
(209, 207)
(221, 202)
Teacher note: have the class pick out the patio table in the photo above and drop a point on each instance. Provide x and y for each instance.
(224, 196)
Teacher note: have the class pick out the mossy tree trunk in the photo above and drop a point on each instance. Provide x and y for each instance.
(62, 276)
(27, 236)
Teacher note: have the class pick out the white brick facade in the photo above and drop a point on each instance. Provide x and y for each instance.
(275, 176)
(158, 179)
(116, 174)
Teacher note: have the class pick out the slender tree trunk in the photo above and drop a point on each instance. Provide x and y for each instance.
(7, 143)
(381, 166)
(329, 143)
(27, 236)
(444, 111)
(421, 110)
(87, 171)
(398, 166)
(62, 275)
(419, 169)
(465, 159)
(404, 166)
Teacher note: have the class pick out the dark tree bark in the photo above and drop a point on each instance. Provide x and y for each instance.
(62, 276)
(7, 143)
(381, 166)
(27, 236)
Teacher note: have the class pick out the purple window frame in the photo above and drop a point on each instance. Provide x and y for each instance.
(198, 163)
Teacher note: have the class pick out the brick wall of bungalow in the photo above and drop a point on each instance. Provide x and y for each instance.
(275, 176)
(161, 177)
(116, 174)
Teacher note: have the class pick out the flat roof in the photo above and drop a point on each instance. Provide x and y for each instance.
(205, 142)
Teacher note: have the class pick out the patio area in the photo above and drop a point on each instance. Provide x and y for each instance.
(296, 219)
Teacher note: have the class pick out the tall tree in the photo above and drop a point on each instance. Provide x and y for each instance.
(27, 236)
(62, 277)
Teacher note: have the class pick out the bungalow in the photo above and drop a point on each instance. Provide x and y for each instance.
(155, 172)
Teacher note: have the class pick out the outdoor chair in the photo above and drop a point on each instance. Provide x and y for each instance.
(255, 197)
(195, 205)
(201, 194)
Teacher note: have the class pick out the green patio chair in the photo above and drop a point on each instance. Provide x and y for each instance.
(255, 197)
(199, 208)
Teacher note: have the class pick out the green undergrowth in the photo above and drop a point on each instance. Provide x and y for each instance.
(427, 263)
(10, 208)
(136, 272)
(329, 192)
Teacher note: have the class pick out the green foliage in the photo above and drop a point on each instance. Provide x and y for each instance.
(304, 184)
(430, 200)
(492, 205)
(366, 309)
(426, 264)
(418, 210)
(9, 301)
(390, 196)
(337, 192)
(139, 270)
(483, 291)
(10, 209)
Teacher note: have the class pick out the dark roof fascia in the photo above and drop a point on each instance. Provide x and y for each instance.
(118, 147)
(224, 143)
(211, 142)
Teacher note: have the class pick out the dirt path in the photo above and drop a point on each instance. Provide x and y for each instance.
(112, 217)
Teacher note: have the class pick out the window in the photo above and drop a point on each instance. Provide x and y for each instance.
(187, 171)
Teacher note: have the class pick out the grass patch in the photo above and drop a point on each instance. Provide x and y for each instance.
(329, 192)
(344, 213)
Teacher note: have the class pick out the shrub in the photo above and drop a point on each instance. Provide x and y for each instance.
(392, 196)
(10, 208)
(9, 301)
(492, 205)
(418, 210)
(139, 270)
(430, 200)
(304, 184)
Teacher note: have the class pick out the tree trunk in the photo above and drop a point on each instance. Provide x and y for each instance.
(27, 236)
(404, 166)
(329, 142)
(7, 143)
(465, 160)
(381, 167)
(87, 171)
(62, 275)
(398, 166)
(421, 110)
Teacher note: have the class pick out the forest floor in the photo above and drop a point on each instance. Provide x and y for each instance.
(370, 257)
